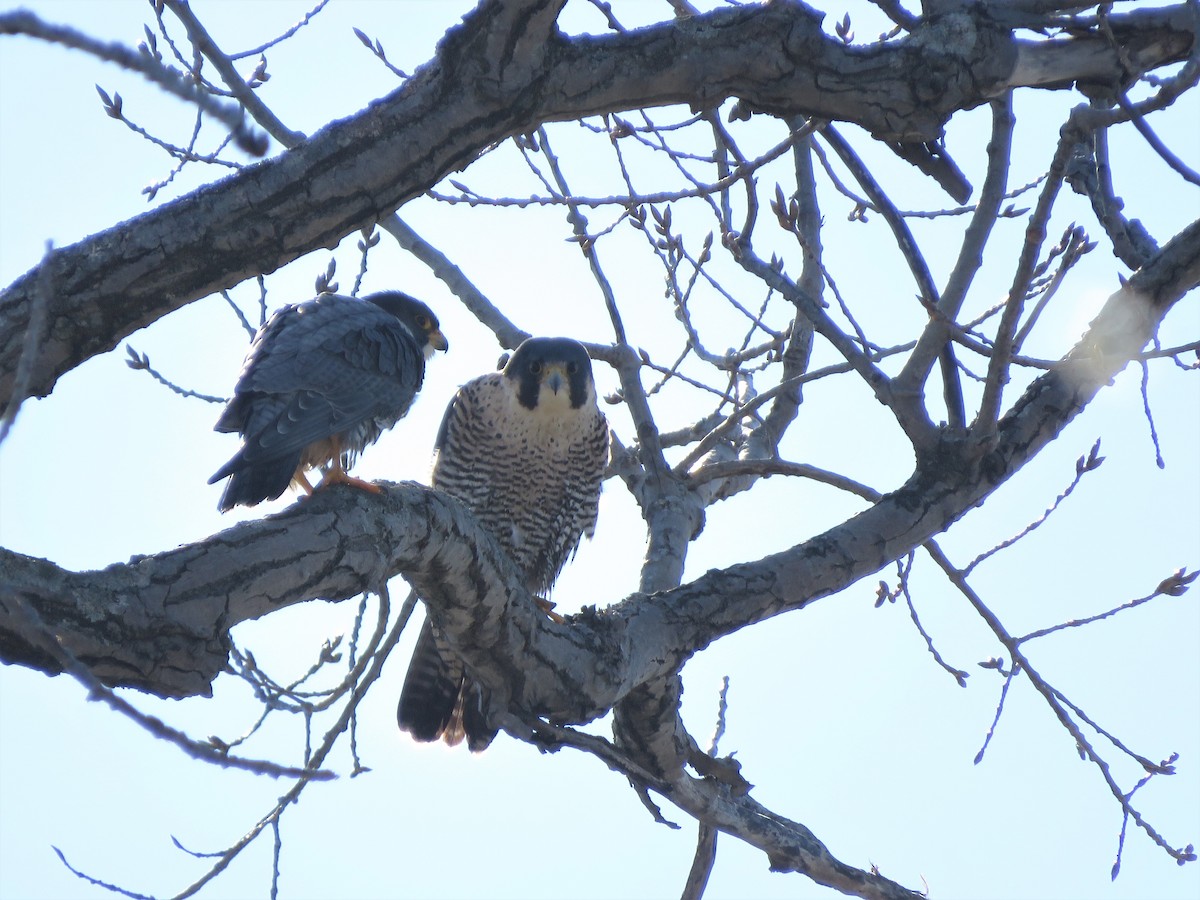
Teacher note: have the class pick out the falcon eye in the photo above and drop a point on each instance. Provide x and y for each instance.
(572, 368)
(536, 367)
(423, 322)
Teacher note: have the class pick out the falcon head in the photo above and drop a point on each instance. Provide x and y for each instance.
(551, 374)
(414, 315)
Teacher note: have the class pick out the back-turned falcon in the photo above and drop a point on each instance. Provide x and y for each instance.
(525, 448)
(323, 379)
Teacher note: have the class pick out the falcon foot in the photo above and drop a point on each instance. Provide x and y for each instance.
(300, 481)
(335, 476)
(548, 608)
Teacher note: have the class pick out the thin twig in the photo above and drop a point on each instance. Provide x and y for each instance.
(1173, 586)
(507, 334)
(970, 255)
(706, 835)
(1072, 248)
(1083, 465)
(766, 467)
(262, 48)
(140, 362)
(321, 752)
(904, 569)
(237, 311)
(1158, 458)
(987, 739)
(1035, 235)
(116, 889)
(200, 750)
(1139, 122)
(248, 139)
(579, 225)
(1052, 699)
(575, 202)
(204, 43)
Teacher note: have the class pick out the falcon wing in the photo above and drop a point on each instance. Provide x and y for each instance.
(316, 370)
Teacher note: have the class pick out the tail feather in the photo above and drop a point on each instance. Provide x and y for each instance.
(438, 700)
(478, 730)
(431, 689)
(252, 484)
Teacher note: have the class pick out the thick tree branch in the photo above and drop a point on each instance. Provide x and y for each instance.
(716, 803)
(160, 622)
(502, 73)
(970, 256)
(1145, 35)
(790, 846)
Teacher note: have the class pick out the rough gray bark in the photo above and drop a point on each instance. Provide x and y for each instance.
(160, 622)
(503, 72)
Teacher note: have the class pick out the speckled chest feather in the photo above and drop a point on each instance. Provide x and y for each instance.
(531, 476)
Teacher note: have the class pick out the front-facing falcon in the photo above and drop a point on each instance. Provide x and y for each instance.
(323, 379)
(525, 448)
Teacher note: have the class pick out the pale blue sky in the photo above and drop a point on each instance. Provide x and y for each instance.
(838, 714)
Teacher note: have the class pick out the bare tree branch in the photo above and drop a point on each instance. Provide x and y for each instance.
(161, 622)
(25, 22)
(150, 265)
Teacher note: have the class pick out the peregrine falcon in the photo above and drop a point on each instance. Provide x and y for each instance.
(323, 379)
(525, 448)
